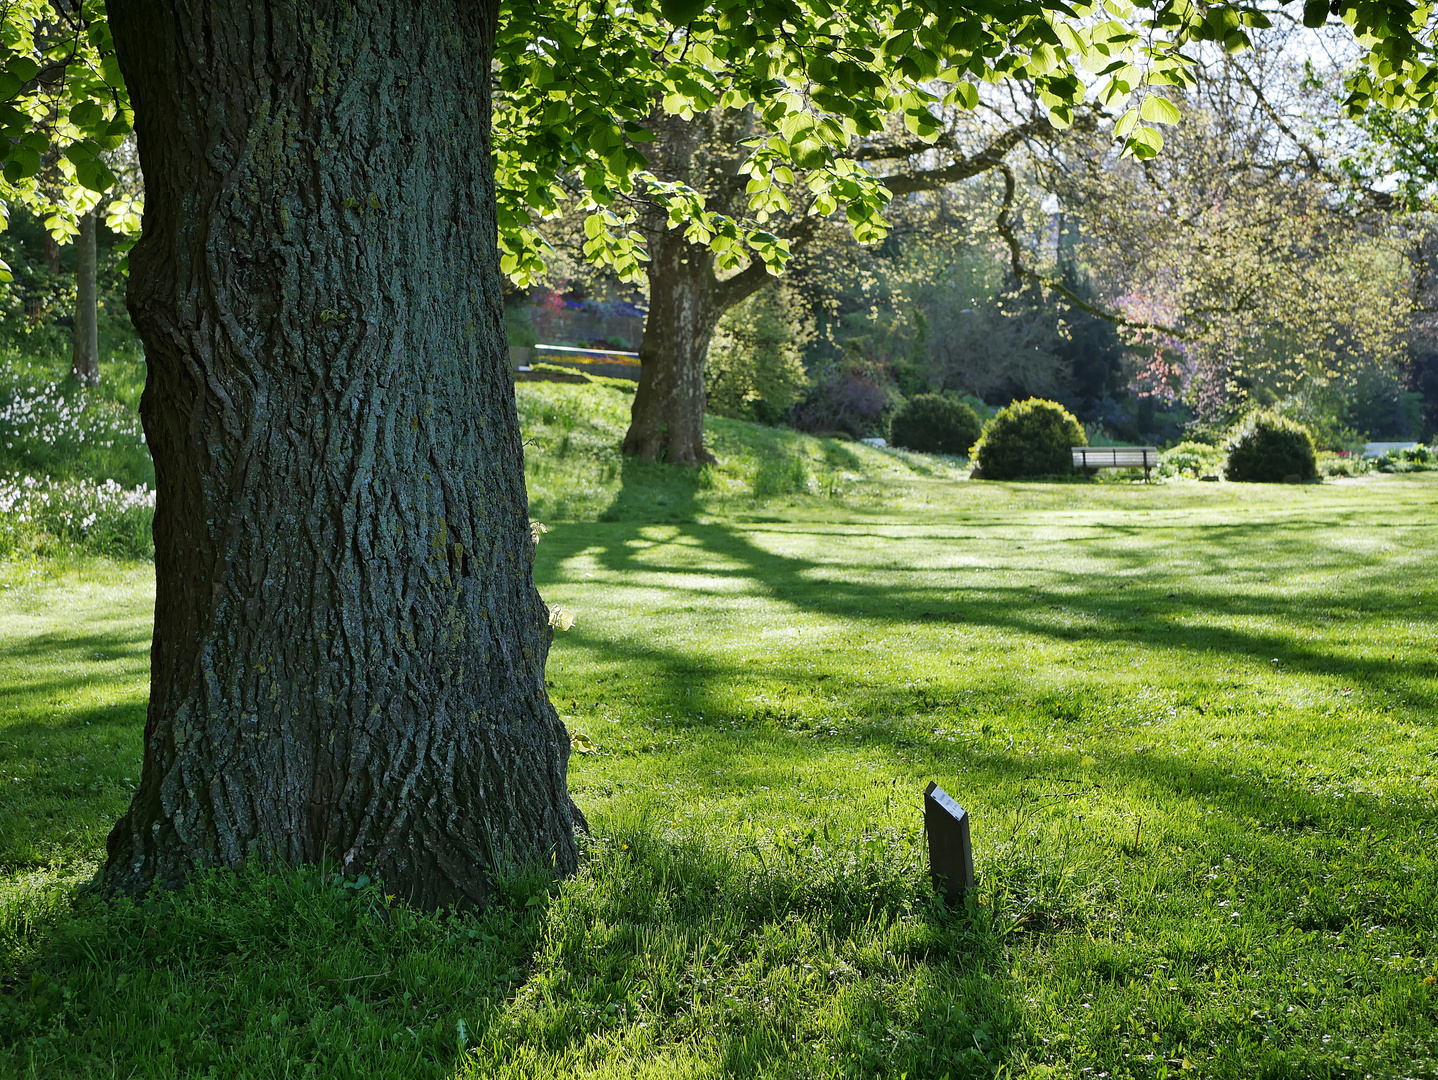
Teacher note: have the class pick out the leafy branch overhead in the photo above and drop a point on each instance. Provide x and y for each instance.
(575, 84)
(63, 109)
(819, 77)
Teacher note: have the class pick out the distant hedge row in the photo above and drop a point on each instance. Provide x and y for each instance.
(1036, 437)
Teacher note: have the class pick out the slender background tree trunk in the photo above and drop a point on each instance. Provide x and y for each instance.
(85, 362)
(349, 650)
(667, 419)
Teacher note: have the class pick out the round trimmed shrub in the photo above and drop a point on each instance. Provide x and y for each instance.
(1028, 438)
(934, 424)
(1270, 449)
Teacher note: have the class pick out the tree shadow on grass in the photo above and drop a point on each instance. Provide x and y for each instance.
(1106, 605)
(261, 978)
(795, 963)
(68, 769)
(702, 565)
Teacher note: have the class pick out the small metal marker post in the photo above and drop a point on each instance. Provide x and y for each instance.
(951, 854)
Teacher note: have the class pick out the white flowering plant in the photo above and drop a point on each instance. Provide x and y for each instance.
(52, 427)
(98, 517)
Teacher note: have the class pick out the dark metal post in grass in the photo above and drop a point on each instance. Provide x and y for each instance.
(951, 854)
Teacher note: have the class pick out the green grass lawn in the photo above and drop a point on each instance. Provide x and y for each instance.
(1194, 725)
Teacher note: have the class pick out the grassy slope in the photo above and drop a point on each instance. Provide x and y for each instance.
(1193, 724)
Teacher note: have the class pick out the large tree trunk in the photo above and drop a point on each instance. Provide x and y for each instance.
(85, 360)
(667, 419)
(349, 650)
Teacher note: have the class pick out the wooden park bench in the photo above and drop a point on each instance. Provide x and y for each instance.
(1116, 457)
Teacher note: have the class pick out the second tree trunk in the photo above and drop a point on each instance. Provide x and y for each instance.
(85, 362)
(667, 420)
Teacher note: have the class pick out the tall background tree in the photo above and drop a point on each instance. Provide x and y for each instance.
(64, 107)
(1275, 276)
(688, 292)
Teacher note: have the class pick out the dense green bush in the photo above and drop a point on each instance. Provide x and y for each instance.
(755, 365)
(1190, 459)
(1028, 438)
(1268, 448)
(934, 424)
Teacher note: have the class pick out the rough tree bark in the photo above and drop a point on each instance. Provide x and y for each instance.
(85, 357)
(686, 302)
(667, 419)
(349, 650)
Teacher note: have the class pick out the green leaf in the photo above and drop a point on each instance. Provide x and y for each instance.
(23, 68)
(86, 114)
(80, 151)
(966, 34)
(1125, 124)
(810, 153)
(95, 175)
(23, 164)
(1146, 143)
(9, 86)
(1158, 110)
(1315, 13)
(967, 94)
(681, 12)
(796, 126)
(1236, 41)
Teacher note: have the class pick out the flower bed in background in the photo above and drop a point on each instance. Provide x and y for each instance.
(96, 517)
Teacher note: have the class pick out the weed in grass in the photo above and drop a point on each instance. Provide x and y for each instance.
(783, 475)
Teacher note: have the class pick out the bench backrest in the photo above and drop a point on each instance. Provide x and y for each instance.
(1115, 457)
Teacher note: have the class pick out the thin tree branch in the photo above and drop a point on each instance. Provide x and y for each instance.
(756, 275)
(1005, 226)
(1380, 200)
(989, 157)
